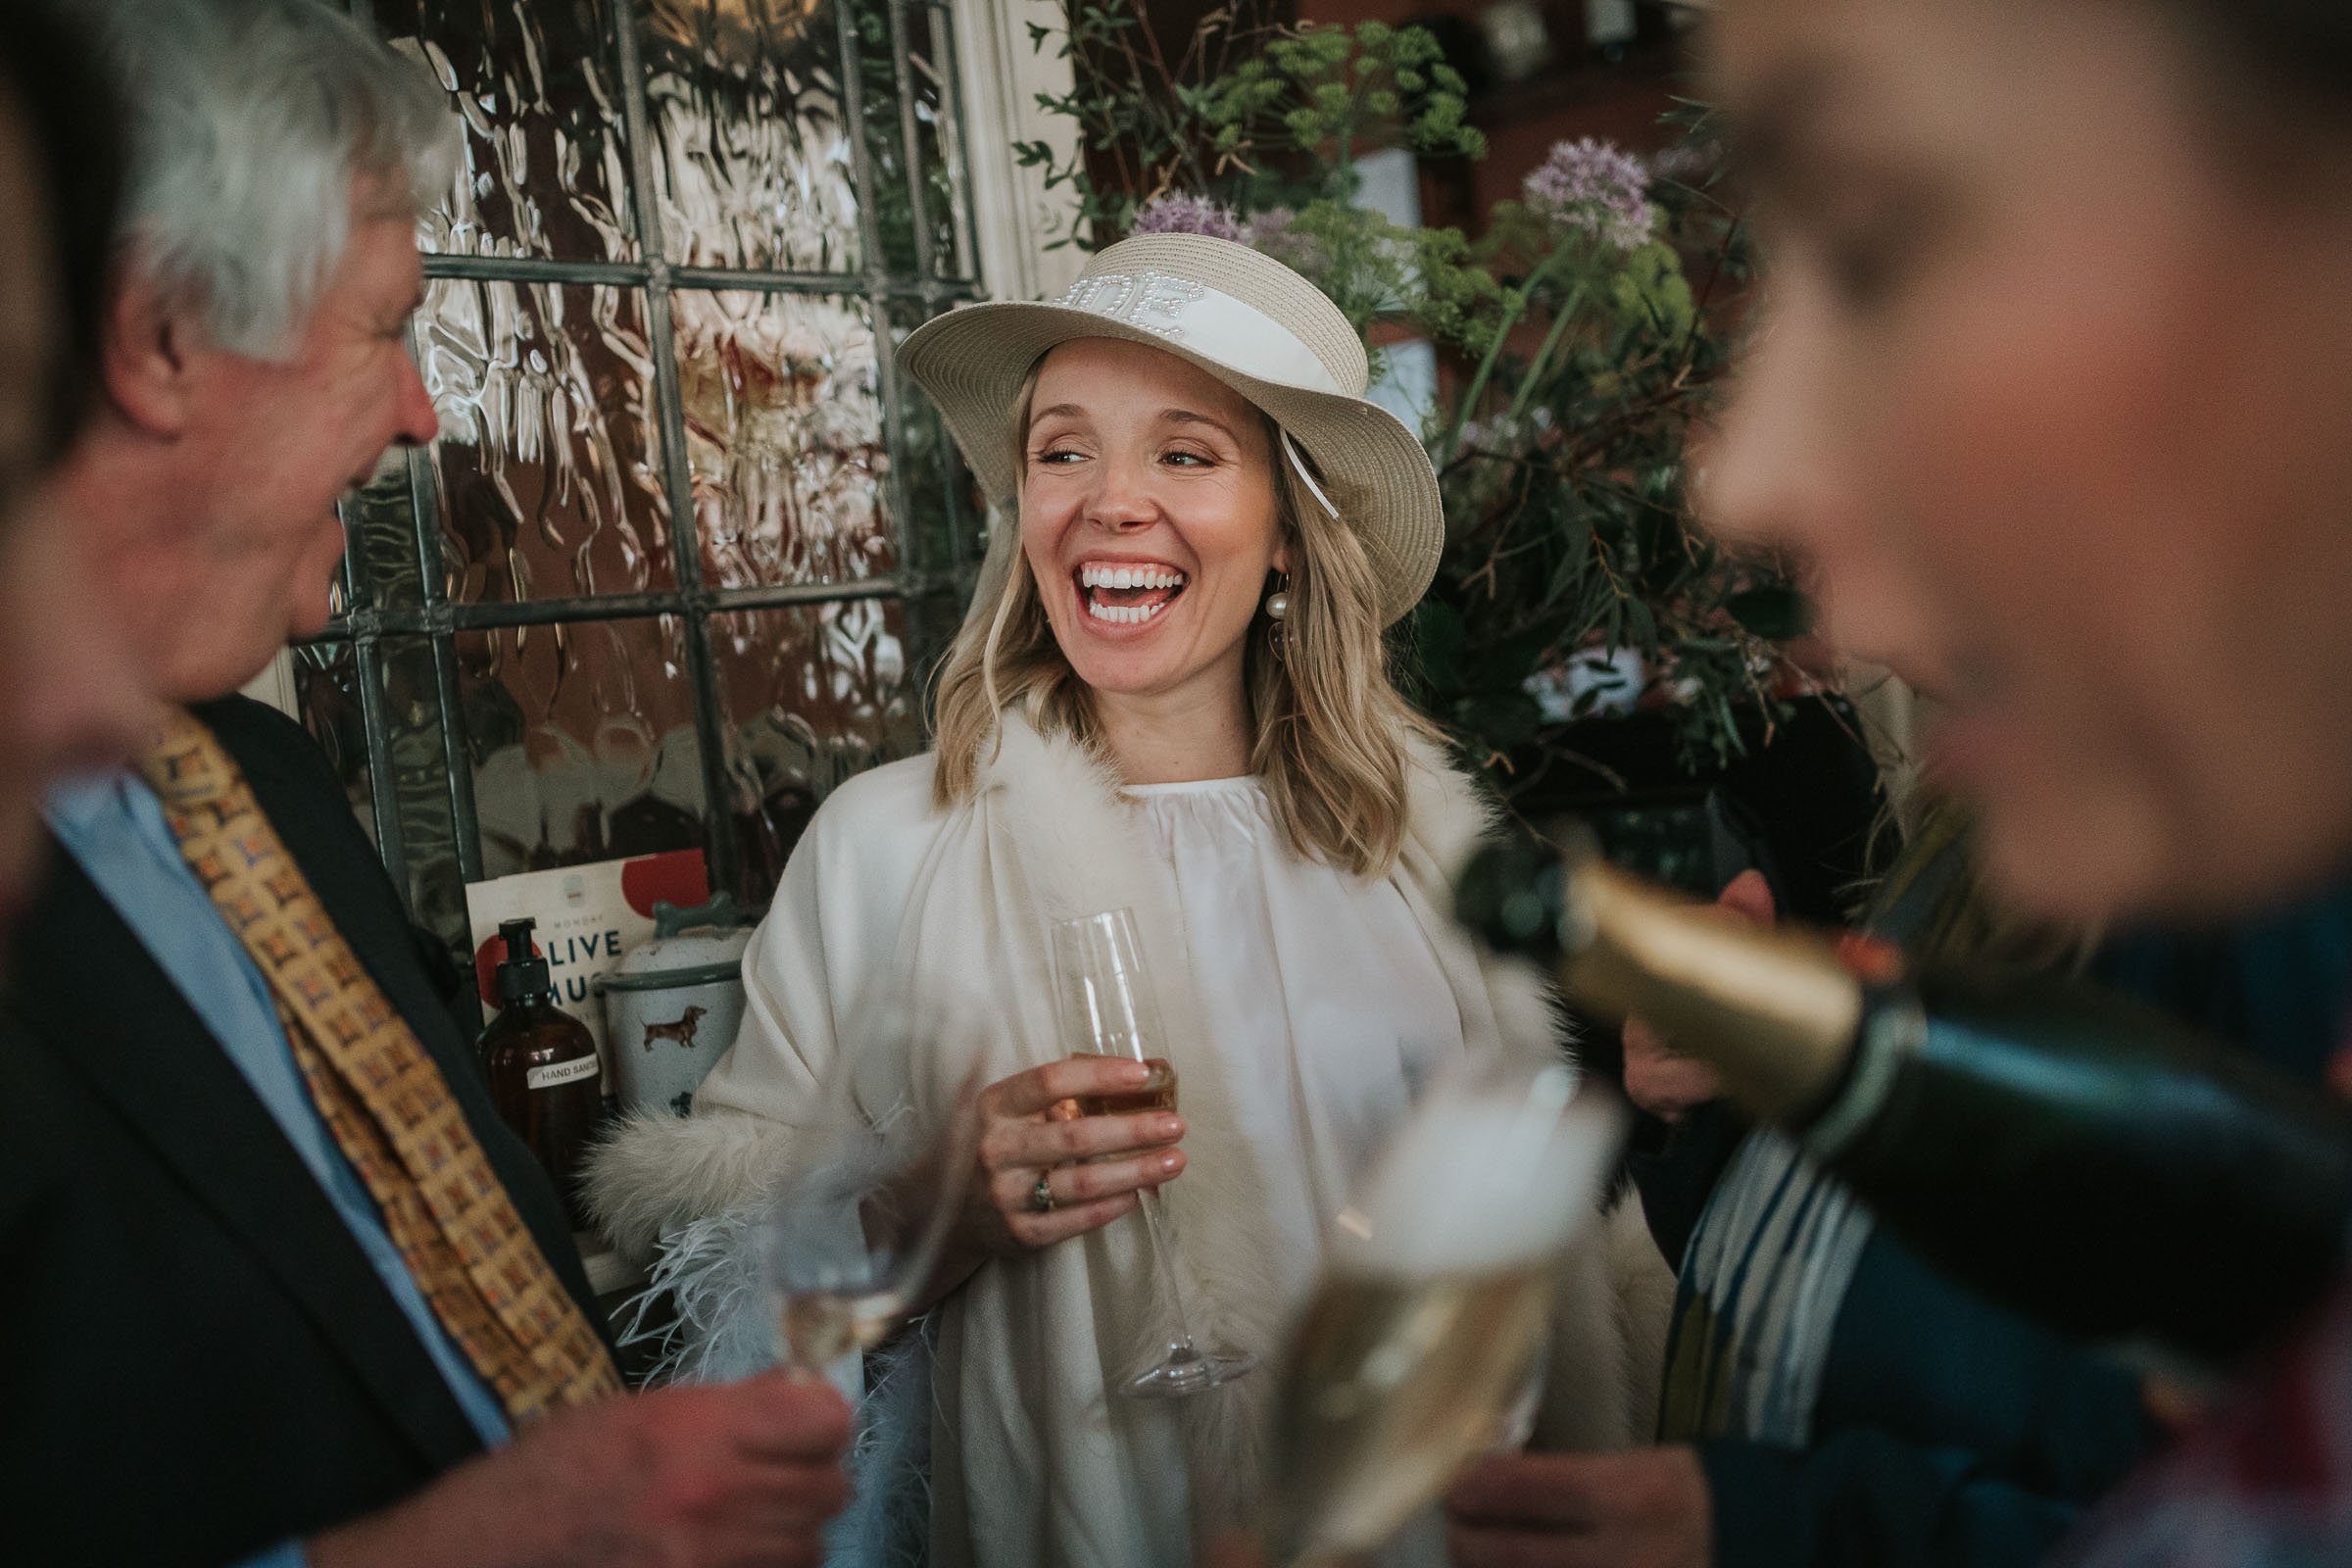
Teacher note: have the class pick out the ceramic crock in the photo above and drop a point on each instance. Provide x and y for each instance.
(674, 1004)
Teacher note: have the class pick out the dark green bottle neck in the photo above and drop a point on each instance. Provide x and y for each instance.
(2089, 1160)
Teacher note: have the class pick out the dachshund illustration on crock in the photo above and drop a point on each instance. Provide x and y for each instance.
(681, 1031)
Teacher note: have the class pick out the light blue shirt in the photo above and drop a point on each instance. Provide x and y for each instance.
(114, 828)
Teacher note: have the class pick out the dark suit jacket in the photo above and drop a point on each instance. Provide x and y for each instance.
(196, 1360)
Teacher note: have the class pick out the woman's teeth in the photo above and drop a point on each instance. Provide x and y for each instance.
(1128, 595)
(1099, 576)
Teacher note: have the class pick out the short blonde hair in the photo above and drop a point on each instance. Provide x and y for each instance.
(1331, 735)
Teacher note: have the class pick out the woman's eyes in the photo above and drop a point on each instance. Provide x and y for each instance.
(1063, 456)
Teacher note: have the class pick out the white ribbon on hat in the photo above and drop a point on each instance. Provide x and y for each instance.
(1208, 321)
(1215, 326)
(1289, 450)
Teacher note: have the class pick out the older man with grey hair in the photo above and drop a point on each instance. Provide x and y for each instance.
(279, 1287)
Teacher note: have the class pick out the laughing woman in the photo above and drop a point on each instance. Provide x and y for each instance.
(1170, 696)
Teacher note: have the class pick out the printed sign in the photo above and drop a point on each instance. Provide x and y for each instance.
(588, 916)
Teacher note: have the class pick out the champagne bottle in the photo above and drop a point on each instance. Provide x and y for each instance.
(2082, 1157)
(543, 1069)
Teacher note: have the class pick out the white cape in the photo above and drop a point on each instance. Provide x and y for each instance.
(897, 922)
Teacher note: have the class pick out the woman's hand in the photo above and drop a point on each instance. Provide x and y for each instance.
(1027, 1129)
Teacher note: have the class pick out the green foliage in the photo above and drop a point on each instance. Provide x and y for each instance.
(1582, 339)
(891, 190)
(1265, 114)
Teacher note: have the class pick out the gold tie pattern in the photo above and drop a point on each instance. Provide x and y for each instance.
(386, 1103)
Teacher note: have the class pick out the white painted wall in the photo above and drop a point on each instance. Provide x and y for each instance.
(1001, 75)
(275, 685)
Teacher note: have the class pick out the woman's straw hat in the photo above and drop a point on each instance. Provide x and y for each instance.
(1245, 318)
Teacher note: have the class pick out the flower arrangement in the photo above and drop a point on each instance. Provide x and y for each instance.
(1579, 333)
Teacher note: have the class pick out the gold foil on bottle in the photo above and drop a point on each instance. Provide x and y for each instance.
(1772, 1011)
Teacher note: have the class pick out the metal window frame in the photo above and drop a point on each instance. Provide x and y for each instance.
(365, 625)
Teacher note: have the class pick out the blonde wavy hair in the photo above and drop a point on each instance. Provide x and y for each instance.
(1331, 736)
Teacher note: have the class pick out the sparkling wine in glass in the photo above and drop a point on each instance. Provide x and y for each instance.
(1425, 1336)
(1158, 1093)
(1105, 1007)
(855, 1232)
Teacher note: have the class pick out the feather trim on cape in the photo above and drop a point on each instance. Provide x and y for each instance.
(655, 1173)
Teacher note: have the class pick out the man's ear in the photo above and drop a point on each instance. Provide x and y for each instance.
(149, 358)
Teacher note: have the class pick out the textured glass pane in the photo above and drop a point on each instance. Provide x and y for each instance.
(545, 172)
(752, 162)
(939, 141)
(582, 740)
(327, 694)
(381, 518)
(547, 463)
(783, 409)
(887, 189)
(811, 696)
(327, 697)
(414, 721)
(933, 619)
(943, 526)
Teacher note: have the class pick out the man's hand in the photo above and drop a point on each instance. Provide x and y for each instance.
(1643, 1509)
(737, 1476)
(1657, 1078)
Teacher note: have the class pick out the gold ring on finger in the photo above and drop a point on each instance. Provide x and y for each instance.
(1041, 1197)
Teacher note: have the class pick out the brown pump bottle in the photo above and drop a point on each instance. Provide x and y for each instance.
(542, 1065)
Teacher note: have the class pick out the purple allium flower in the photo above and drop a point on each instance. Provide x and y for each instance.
(1276, 232)
(1179, 212)
(1597, 187)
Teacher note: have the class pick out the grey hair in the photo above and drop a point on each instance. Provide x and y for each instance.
(251, 120)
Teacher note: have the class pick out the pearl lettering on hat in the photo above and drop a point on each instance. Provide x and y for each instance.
(1130, 297)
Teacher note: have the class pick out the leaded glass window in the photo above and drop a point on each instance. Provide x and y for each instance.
(685, 542)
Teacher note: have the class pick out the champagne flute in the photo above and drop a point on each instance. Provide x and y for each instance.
(1423, 1338)
(1105, 1008)
(855, 1232)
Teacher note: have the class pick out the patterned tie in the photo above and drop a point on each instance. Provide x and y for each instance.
(381, 1093)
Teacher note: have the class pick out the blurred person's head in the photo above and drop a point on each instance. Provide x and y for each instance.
(2050, 402)
(255, 365)
(67, 696)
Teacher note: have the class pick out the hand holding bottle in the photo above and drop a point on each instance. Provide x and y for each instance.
(2077, 1156)
(1660, 1079)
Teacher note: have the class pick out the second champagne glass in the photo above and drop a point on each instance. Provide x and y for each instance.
(848, 1252)
(1421, 1345)
(1105, 1010)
